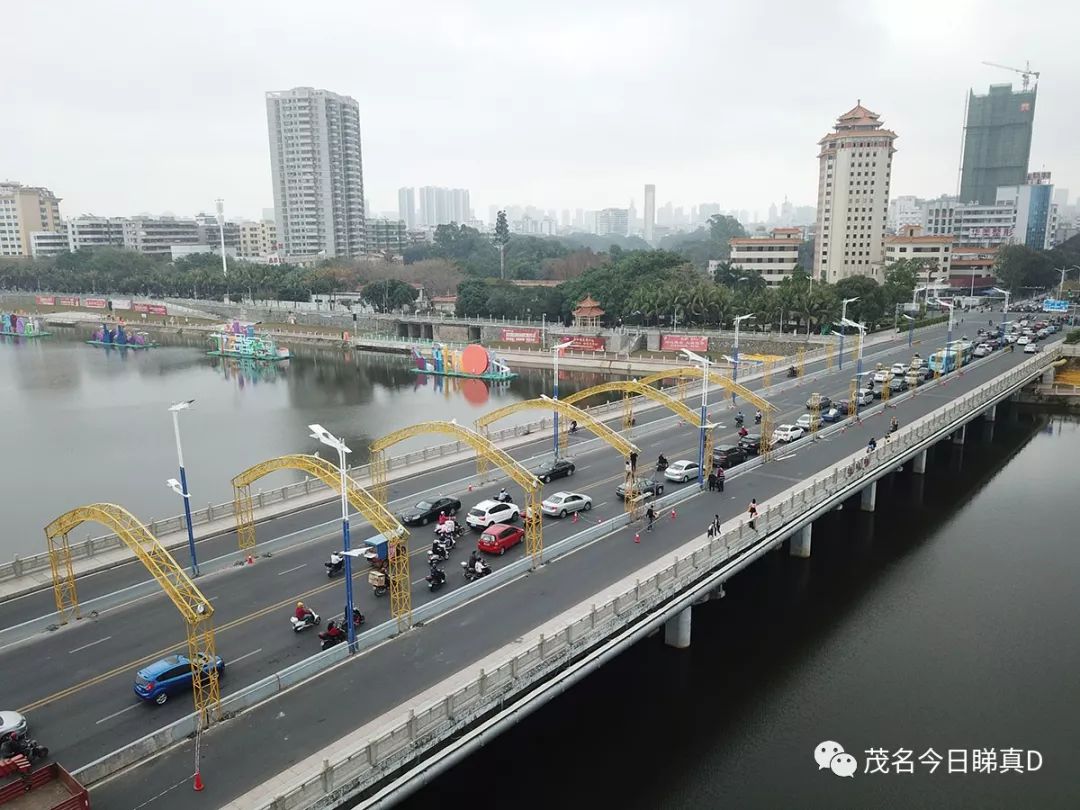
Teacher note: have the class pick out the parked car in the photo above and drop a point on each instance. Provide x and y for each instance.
(157, 682)
(897, 385)
(489, 512)
(786, 433)
(642, 486)
(496, 539)
(423, 512)
(728, 455)
(681, 471)
(1031, 348)
(823, 403)
(12, 722)
(751, 443)
(559, 468)
(562, 503)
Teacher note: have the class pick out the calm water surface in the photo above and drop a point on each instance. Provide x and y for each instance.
(948, 619)
(81, 424)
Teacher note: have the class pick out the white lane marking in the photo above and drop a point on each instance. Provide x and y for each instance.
(290, 570)
(245, 655)
(91, 644)
(116, 714)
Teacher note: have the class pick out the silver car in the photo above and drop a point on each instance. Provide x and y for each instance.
(562, 503)
(12, 721)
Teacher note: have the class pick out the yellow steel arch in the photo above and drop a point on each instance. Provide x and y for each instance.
(381, 518)
(485, 452)
(195, 608)
(715, 378)
(635, 387)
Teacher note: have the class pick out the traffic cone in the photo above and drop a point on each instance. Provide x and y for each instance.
(470, 487)
(637, 537)
(250, 561)
(576, 518)
(673, 515)
(198, 782)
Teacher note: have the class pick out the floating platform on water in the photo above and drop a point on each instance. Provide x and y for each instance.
(489, 376)
(6, 333)
(111, 345)
(239, 355)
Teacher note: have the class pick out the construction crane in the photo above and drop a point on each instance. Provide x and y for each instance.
(1027, 72)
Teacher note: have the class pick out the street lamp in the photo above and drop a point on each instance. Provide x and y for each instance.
(555, 421)
(911, 330)
(1004, 309)
(180, 487)
(1061, 285)
(843, 317)
(858, 367)
(327, 438)
(735, 366)
(950, 307)
(697, 358)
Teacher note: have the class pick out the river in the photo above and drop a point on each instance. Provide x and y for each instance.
(947, 620)
(82, 424)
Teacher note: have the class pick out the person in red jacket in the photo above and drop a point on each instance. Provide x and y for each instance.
(301, 611)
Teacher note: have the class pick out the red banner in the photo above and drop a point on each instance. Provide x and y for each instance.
(510, 335)
(153, 309)
(68, 300)
(587, 344)
(673, 343)
(45, 300)
(94, 303)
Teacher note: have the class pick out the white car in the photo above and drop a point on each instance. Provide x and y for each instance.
(899, 369)
(562, 503)
(864, 396)
(982, 350)
(489, 512)
(681, 471)
(881, 376)
(1011, 338)
(804, 422)
(1031, 348)
(12, 722)
(787, 433)
(1023, 340)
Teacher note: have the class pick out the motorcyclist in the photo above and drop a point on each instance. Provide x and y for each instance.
(474, 559)
(573, 425)
(333, 631)
(446, 528)
(661, 462)
(757, 418)
(302, 612)
(792, 371)
(336, 561)
(437, 574)
(442, 518)
(438, 550)
(739, 418)
(743, 432)
(503, 495)
(479, 567)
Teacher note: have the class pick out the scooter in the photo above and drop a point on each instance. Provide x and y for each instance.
(739, 420)
(470, 571)
(436, 579)
(792, 371)
(661, 466)
(335, 565)
(329, 641)
(310, 620)
(449, 539)
(357, 617)
(757, 418)
(504, 497)
(434, 557)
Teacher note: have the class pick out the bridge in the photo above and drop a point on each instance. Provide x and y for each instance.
(477, 657)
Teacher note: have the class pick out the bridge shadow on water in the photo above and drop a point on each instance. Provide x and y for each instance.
(733, 720)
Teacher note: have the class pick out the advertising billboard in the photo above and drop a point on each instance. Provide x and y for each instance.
(1055, 305)
(153, 309)
(515, 335)
(587, 343)
(68, 300)
(673, 343)
(95, 303)
(45, 300)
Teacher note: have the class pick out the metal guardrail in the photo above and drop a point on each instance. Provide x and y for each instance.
(422, 730)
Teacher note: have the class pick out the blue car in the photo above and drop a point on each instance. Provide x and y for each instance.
(168, 676)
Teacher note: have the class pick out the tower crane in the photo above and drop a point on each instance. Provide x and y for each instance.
(1027, 72)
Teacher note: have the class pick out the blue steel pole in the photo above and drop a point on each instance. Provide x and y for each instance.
(841, 345)
(187, 519)
(346, 545)
(704, 419)
(555, 414)
(910, 332)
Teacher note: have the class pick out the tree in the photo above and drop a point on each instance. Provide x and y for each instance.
(502, 239)
(388, 295)
(1018, 266)
(870, 308)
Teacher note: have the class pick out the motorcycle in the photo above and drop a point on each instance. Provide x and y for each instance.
(310, 620)
(449, 539)
(757, 418)
(661, 465)
(357, 617)
(379, 581)
(436, 578)
(739, 420)
(440, 553)
(504, 497)
(329, 641)
(14, 745)
(792, 371)
(471, 573)
(335, 565)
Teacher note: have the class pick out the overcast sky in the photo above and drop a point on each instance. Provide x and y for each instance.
(125, 107)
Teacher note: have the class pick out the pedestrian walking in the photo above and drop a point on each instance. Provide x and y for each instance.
(720, 479)
(712, 481)
(716, 524)
(650, 514)
(710, 530)
(752, 511)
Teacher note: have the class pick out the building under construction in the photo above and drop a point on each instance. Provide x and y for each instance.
(997, 142)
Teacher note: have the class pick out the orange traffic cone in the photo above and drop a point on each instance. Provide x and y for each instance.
(673, 515)
(198, 781)
(637, 537)
(575, 520)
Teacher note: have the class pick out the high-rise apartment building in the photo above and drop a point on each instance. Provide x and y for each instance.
(774, 256)
(156, 236)
(441, 206)
(386, 235)
(650, 212)
(855, 165)
(24, 210)
(406, 206)
(318, 176)
(612, 221)
(258, 240)
(997, 142)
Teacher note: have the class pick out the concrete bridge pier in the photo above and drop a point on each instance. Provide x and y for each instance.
(869, 497)
(959, 436)
(988, 433)
(677, 630)
(918, 464)
(1048, 376)
(800, 542)
(990, 414)
(918, 484)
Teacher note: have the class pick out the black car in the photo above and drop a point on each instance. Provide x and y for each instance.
(728, 455)
(424, 512)
(750, 444)
(642, 486)
(824, 403)
(897, 385)
(560, 468)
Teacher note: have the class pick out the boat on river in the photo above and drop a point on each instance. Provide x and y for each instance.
(119, 338)
(242, 342)
(12, 324)
(473, 362)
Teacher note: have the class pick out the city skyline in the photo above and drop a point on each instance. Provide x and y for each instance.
(571, 149)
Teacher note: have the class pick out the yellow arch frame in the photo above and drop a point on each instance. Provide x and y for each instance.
(381, 518)
(694, 373)
(485, 452)
(195, 608)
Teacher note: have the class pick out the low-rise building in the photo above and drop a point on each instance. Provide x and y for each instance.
(972, 267)
(932, 252)
(156, 236)
(774, 256)
(258, 240)
(88, 232)
(48, 243)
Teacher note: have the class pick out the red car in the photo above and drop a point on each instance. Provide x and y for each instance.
(498, 538)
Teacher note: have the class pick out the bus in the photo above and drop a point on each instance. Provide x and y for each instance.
(944, 361)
